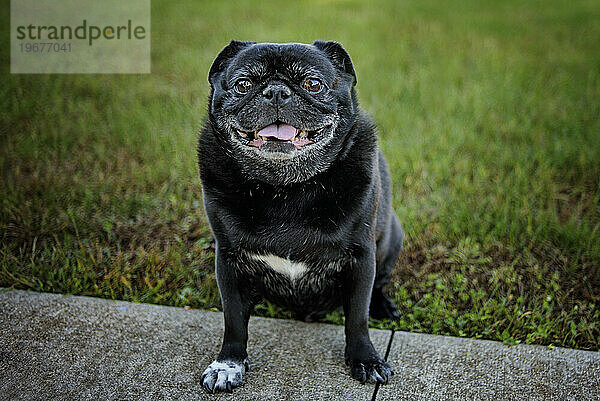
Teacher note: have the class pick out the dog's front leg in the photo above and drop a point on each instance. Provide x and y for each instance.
(226, 372)
(365, 363)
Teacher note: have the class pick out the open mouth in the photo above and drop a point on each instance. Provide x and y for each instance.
(279, 137)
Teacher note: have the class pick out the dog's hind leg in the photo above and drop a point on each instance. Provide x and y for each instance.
(382, 307)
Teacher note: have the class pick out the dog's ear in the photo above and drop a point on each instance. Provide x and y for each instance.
(223, 59)
(338, 56)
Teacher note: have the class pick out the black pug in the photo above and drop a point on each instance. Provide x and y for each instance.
(298, 197)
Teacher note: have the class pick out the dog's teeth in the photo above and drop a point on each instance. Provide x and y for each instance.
(264, 138)
(255, 134)
(243, 134)
(303, 134)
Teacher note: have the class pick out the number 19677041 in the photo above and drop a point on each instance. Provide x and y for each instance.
(45, 47)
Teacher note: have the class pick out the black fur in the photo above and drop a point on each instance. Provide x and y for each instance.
(326, 204)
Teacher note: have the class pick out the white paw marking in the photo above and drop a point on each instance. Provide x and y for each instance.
(288, 268)
(218, 374)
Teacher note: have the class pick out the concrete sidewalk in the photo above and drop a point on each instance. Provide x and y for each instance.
(75, 348)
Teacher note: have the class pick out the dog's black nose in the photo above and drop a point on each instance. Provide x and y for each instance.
(277, 95)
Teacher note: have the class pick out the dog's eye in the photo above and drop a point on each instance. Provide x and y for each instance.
(243, 86)
(312, 85)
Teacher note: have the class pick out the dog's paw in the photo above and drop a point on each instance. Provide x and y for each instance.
(223, 376)
(382, 308)
(372, 371)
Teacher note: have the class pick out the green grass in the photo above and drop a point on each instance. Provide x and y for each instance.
(488, 115)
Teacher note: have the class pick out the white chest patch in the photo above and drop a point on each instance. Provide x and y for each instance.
(293, 270)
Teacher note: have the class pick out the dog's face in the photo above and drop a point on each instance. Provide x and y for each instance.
(284, 109)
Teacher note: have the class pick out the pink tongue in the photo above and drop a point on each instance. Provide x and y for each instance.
(284, 132)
